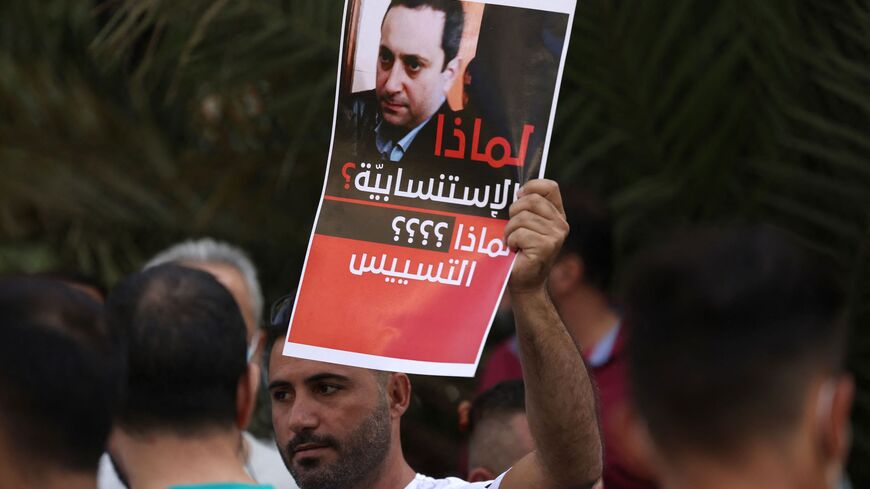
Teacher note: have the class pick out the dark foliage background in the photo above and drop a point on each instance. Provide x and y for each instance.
(126, 126)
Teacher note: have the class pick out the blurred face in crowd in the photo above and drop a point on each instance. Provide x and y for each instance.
(412, 78)
(332, 423)
(497, 444)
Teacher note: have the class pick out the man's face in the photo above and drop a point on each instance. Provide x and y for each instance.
(410, 80)
(332, 423)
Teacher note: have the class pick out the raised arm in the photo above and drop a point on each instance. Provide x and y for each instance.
(560, 403)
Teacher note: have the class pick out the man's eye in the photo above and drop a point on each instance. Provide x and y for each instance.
(386, 58)
(280, 396)
(326, 389)
(413, 66)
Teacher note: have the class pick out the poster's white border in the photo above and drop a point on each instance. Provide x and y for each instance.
(417, 366)
(378, 362)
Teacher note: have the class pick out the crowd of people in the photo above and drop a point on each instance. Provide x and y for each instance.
(720, 366)
(723, 366)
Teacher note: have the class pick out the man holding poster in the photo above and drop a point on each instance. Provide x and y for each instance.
(339, 426)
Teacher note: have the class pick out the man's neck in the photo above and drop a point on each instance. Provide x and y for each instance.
(48, 479)
(160, 461)
(760, 470)
(395, 473)
(587, 315)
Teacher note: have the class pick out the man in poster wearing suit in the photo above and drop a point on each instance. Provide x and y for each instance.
(417, 63)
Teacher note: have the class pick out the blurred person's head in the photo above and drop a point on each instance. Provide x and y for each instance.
(230, 265)
(499, 431)
(736, 358)
(188, 374)
(417, 59)
(335, 425)
(585, 264)
(84, 282)
(60, 380)
(579, 281)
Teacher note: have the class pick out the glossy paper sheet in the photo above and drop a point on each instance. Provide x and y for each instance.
(407, 264)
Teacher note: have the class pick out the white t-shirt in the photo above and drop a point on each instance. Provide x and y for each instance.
(422, 482)
(265, 464)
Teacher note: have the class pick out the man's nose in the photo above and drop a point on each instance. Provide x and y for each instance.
(303, 415)
(395, 78)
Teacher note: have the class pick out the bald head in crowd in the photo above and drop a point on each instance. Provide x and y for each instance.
(60, 381)
(736, 356)
(232, 268)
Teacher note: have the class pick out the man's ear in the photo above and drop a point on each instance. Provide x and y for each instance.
(633, 437)
(566, 273)
(114, 440)
(246, 395)
(480, 474)
(398, 394)
(642, 457)
(450, 72)
(836, 426)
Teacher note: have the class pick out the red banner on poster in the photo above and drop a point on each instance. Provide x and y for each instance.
(443, 110)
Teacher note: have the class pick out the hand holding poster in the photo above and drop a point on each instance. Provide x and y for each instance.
(444, 109)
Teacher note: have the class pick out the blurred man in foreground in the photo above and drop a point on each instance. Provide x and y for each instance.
(339, 426)
(737, 363)
(234, 270)
(60, 377)
(190, 391)
(579, 284)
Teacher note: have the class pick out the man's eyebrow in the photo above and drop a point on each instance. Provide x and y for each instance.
(414, 57)
(326, 376)
(275, 384)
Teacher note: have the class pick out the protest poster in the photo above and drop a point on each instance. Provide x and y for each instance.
(443, 110)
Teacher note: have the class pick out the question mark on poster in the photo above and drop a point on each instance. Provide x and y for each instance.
(345, 173)
(396, 228)
(439, 234)
(409, 227)
(424, 232)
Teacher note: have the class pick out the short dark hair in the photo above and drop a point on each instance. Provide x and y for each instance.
(454, 22)
(60, 374)
(276, 330)
(492, 441)
(186, 344)
(726, 329)
(505, 398)
(591, 236)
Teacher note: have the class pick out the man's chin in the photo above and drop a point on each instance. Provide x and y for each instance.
(311, 472)
(395, 118)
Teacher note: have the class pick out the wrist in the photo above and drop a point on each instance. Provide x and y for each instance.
(520, 295)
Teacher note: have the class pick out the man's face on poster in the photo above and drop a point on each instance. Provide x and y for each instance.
(412, 78)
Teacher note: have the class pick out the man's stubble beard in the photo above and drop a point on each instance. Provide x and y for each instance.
(360, 459)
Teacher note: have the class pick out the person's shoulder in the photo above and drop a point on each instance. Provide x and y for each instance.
(360, 101)
(358, 112)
